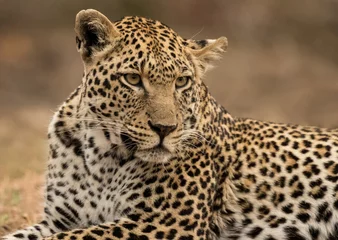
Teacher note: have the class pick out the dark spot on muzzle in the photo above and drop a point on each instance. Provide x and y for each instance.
(129, 143)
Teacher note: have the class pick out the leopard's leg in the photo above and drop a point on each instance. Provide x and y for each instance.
(34, 232)
(126, 229)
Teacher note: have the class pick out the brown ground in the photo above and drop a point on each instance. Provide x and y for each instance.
(281, 66)
(22, 159)
(20, 202)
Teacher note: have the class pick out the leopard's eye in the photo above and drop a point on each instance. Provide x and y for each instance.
(133, 79)
(182, 81)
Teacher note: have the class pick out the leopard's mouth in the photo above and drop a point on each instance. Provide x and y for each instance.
(128, 142)
(158, 153)
(156, 149)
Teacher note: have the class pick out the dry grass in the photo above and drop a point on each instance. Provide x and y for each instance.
(23, 150)
(23, 145)
(20, 202)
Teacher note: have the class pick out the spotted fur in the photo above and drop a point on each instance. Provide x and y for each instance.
(154, 159)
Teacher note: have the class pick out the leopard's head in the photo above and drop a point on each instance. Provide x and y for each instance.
(142, 82)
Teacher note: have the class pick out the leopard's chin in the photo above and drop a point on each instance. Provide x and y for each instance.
(156, 154)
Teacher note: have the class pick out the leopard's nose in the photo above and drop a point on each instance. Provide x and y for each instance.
(162, 130)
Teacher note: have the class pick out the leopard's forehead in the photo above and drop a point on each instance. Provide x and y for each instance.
(152, 48)
(147, 28)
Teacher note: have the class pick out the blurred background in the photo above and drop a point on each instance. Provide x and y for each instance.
(281, 65)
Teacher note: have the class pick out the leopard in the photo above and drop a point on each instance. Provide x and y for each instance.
(141, 150)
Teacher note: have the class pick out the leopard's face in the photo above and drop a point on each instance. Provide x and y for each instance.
(142, 83)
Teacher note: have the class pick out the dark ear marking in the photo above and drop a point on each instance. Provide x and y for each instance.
(78, 43)
(94, 32)
(202, 43)
(94, 36)
(206, 51)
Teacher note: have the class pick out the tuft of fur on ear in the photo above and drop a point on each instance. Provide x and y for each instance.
(94, 32)
(207, 51)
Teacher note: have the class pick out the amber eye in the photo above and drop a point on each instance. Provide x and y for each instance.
(182, 81)
(133, 79)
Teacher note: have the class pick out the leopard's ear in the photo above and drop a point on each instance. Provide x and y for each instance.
(94, 32)
(207, 51)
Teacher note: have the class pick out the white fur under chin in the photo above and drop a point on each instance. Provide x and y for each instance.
(154, 155)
